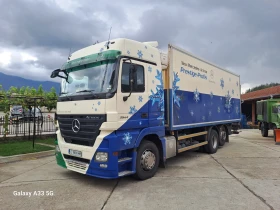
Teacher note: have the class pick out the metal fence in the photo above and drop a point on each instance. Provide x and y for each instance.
(28, 126)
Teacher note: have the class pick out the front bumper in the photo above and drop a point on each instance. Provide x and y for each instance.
(87, 164)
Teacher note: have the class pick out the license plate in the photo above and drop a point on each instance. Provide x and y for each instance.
(75, 153)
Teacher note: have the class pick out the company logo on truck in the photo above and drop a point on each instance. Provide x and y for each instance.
(76, 126)
(193, 74)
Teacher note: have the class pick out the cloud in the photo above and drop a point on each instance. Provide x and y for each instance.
(242, 37)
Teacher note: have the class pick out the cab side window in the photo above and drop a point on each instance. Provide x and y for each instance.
(138, 77)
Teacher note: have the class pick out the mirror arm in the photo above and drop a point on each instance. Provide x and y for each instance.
(126, 97)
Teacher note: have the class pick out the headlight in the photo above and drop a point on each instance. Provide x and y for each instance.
(101, 156)
(57, 148)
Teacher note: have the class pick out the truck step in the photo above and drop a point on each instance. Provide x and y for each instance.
(124, 173)
(192, 146)
(124, 160)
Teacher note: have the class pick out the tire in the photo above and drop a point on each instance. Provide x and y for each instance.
(264, 131)
(223, 136)
(149, 151)
(213, 142)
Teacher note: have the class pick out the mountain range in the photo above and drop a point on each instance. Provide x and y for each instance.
(8, 80)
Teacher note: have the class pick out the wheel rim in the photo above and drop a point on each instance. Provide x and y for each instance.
(148, 160)
(214, 141)
(223, 134)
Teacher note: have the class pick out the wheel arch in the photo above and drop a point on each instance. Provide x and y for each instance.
(159, 142)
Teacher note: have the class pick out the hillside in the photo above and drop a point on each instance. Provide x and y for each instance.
(8, 80)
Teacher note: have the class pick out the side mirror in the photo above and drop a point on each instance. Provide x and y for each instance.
(55, 73)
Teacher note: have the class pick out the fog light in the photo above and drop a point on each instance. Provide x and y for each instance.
(57, 149)
(101, 156)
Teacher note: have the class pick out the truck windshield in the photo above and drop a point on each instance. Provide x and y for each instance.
(98, 78)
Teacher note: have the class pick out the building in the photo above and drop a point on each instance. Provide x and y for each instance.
(248, 101)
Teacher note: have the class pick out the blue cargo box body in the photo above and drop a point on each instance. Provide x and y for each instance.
(198, 93)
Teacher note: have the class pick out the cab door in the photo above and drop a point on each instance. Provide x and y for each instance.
(132, 97)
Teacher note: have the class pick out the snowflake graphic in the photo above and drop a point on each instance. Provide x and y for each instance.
(219, 110)
(222, 83)
(237, 110)
(228, 104)
(128, 52)
(133, 110)
(196, 96)
(232, 92)
(150, 69)
(221, 98)
(204, 104)
(99, 103)
(192, 113)
(203, 118)
(140, 54)
(152, 55)
(140, 98)
(140, 123)
(211, 94)
(210, 113)
(158, 96)
(127, 138)
(176, 98)
(101, 50)
(160, 118)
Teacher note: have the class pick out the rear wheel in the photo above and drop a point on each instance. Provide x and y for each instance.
(213, 142)
(147, 161)
(223, 136)
(264, 130)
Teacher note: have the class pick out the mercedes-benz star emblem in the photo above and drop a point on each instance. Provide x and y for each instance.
(76, 125)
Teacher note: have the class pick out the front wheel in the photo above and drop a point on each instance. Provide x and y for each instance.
(147, 161)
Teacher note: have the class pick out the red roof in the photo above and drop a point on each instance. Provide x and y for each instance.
(260, 94)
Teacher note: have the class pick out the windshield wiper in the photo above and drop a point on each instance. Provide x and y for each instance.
(85, 91)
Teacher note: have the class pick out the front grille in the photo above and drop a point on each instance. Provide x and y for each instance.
(76, 162)
(89, 128)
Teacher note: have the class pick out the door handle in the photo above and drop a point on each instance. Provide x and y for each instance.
(144, 115)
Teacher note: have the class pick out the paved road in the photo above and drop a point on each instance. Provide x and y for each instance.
(244, 174)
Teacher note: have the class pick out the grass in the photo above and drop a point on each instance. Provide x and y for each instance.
(22, 147)
(46, 141)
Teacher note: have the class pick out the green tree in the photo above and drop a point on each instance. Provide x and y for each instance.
(40, 91)
(263, 86)
(50, 99)
(25, 96)
(4, 102)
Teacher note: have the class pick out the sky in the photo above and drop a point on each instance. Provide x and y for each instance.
(241, 36)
